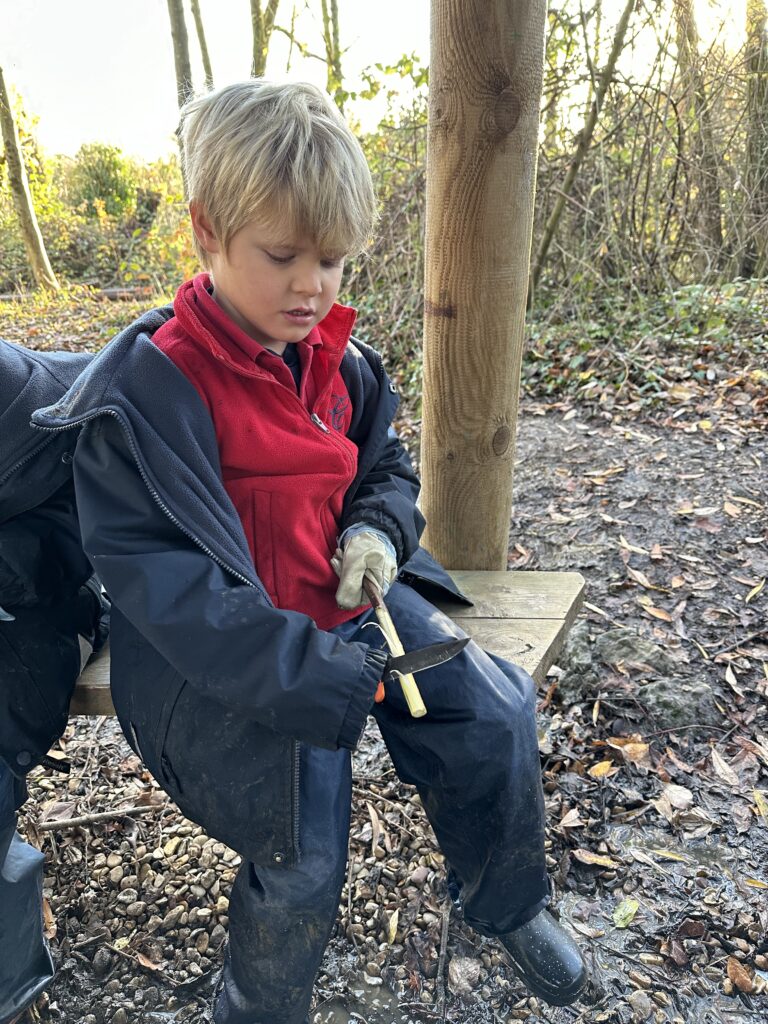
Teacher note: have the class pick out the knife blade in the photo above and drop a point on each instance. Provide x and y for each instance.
(427, 657)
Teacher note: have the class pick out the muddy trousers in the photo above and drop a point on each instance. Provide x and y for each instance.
(25, 963)
(475, 763)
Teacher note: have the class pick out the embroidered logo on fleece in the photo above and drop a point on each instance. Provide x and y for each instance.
(339, 406)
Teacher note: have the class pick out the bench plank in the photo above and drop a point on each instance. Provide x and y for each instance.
(521, 616)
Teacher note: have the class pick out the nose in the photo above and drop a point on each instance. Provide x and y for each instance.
(307, 280)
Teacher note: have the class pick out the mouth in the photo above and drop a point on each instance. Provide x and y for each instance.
(301, 313)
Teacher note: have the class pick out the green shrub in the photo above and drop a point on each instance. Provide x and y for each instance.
(103, 180)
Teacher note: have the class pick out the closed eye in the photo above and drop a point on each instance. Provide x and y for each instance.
(278, 259)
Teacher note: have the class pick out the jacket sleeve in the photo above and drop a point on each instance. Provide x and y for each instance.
(222, 635)
(386, 498)
(41, 560)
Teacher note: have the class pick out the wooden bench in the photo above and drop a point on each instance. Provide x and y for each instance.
(521, 616)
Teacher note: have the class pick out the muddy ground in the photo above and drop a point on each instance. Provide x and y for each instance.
(654, 741)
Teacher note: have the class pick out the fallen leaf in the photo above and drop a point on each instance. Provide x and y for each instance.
(624, 914)
(731, 509)
(705, 523)
(572, 819)
(603, 770)
(657, 613)
(730, 678)
(756, 883)
(58, 810)
(745, 501)
(673, 799)
(624, 543)
(49, 921)
(375, 825)
(700, 512)
(754, 592)
(641, 578)
(739, 975)
(681, 392)
(585, 929)
(762, 804)
(696, 822)
(146, 962)
(598, 859)
(632, 750)
(644, 858)
(670, 855)
(392, 929)
(723, 769)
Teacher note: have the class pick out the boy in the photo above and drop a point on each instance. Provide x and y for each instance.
(49, 622)
(236, 454)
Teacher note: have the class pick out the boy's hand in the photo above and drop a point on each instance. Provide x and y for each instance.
(364, 554)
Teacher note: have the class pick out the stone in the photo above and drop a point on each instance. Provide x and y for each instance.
(463, 974)
(641, 1004)
(102, 962)
(662, 688)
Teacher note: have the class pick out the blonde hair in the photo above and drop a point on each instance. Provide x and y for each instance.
(279, 153)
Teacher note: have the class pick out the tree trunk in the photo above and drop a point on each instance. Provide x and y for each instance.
(262, 23)
(22, 199)
(203, 44)
(585, 139)
(755, 260)
(180, 51)
(485, 92)
(333, 51)
(703, 154)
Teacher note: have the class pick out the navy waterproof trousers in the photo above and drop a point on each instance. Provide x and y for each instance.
(25, 963)
(474, 760)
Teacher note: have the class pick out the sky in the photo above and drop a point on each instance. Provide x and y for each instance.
(102, 70)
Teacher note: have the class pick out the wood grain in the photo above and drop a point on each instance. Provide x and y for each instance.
(485, 84)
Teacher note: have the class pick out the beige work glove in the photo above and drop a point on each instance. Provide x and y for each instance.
(364, 554)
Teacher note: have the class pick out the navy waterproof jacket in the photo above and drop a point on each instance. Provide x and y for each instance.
(188, 607)
(42, 565)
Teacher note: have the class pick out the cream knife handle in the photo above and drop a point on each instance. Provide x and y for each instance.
(407, 682)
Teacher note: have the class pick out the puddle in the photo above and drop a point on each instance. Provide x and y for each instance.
(364, 1004)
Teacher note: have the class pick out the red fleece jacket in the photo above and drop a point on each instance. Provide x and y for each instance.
(285, 458)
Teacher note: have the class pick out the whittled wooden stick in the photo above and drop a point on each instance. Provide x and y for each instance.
(407, 682)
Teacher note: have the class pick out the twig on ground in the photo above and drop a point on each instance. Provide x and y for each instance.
(89, 819)
(441, 1000)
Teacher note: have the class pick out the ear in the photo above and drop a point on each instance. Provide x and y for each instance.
(203, 228)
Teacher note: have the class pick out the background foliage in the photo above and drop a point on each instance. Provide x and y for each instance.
(636, 274)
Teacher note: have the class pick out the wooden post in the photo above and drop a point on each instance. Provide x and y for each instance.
(485, 89)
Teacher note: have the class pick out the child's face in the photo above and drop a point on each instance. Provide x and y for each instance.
(275, 288)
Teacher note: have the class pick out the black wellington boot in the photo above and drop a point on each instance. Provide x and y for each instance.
(546, 959)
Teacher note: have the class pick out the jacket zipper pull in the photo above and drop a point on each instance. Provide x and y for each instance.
(319, 423)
